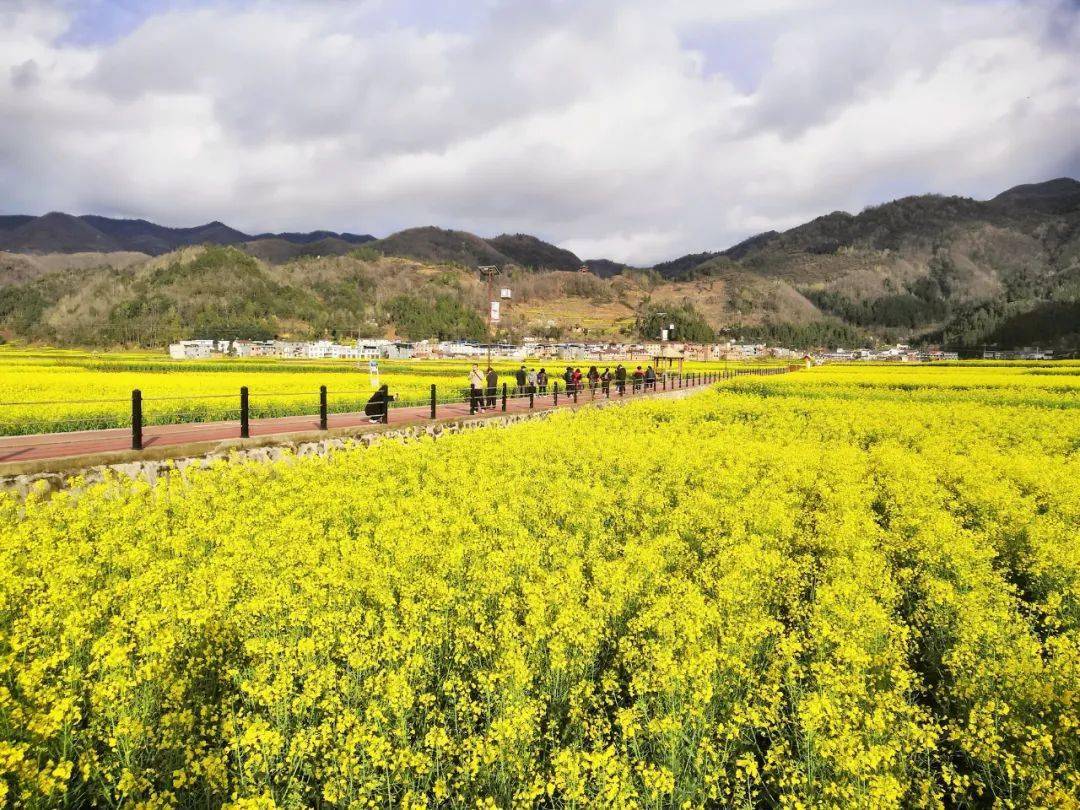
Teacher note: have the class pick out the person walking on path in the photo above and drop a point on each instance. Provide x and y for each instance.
(377, 406)
(650, 379)
(605, 380)
(530, 381)
(620, 378)
(492, 386)
(594, 378)
(476, 389)
(521, 378)
(639, 376)
(576, 377)
(568, 378)
(542, 381)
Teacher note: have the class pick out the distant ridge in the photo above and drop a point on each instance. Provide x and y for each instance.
(1053, 196)
(535, 254)
(932, 268)
(316, 236)
(431, 244)
(277, 250)
(882, 226)
(57, 232)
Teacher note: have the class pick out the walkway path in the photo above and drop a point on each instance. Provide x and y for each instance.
(41, 446)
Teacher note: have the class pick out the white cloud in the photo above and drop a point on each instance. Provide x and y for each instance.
(591, 123)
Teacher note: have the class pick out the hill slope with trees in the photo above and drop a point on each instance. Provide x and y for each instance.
(963, 272)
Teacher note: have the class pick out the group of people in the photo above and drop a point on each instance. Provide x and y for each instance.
(530, 381)
(527, 381)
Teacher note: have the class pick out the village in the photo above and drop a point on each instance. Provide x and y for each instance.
(386, 349)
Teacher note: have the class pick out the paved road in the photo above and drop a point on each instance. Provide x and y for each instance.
(89, 442)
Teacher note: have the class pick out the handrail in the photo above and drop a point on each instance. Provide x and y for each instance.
(476, 399)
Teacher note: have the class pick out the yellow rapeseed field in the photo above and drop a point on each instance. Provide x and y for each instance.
(55, 390)
(845, 587)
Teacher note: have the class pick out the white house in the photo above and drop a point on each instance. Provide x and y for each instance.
(318, 350)
(190, 350)
(398, 350)
(291, 349)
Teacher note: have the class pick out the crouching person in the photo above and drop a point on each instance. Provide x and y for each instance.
(378, 405)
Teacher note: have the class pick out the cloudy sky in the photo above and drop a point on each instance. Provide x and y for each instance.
(631, 130)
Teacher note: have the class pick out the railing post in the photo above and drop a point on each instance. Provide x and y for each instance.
(386, 409)
(433, 400)
(504, 397)
(555, 394)
(576, 387)
(136, 419)
(322, 408)
(531, 395)
(245, 422)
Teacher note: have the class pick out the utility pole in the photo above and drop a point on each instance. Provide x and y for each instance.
(489, 272)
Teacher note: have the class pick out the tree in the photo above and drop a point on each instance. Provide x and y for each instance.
(690, 325)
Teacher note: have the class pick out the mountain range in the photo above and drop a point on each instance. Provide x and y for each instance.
(931, 267)
(57, 232)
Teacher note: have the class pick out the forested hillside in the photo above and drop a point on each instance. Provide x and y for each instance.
(938, 269)
(951, 269)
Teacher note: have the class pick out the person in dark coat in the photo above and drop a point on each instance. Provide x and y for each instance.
(639, 377)
(378, 405)
(620, 378)
(650, 379)
(492, 385)
(605, 380)
(593, 377)
(541, 381)
(521, 377)
(568, 376)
